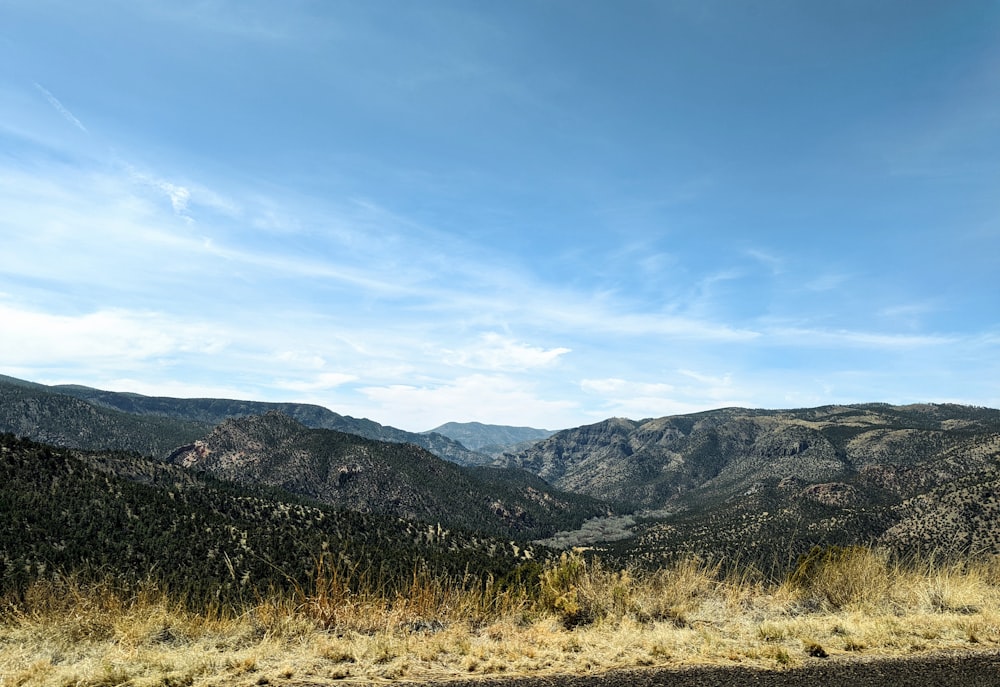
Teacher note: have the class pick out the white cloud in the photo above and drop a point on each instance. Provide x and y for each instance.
(827, 282)
(99, 228)
(497, 352)
(99, 338)
(304, 359)
(172, 388)
(708, 380)
(635, 400)
(614, 385)
(638, 399)
(180, 196)
(773, 262)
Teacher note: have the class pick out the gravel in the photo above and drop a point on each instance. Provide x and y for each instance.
(951, 669)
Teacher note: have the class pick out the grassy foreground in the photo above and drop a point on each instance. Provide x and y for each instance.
(571, 617)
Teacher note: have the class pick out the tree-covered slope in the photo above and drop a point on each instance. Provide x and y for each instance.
(35, 411)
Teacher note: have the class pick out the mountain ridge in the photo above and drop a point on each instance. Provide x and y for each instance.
(750, 484)
(653, 461)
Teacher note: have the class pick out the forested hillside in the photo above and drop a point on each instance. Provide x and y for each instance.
(101, 514)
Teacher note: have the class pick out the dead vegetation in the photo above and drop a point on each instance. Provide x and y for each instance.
(573, 616)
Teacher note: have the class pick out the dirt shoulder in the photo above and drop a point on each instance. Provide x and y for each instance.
(951, 669)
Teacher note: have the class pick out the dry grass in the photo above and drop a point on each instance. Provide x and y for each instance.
(581, 617)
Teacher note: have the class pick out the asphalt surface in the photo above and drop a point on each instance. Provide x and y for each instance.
(965, 669)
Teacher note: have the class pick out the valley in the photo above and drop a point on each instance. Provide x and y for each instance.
(751, 485)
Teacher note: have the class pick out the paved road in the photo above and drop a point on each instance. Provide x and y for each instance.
(966, 669)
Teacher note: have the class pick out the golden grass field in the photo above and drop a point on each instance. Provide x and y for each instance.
(580, 618)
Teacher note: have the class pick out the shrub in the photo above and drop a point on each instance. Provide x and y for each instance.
(561, 590)
(838, 577)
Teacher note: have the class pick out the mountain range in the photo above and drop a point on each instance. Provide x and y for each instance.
(275, 448)
(738, 483)
(746, 483)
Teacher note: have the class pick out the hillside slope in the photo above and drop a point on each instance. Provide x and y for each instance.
(371, 476)
(720, 453)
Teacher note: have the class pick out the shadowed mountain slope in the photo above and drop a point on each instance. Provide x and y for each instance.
(35, 411)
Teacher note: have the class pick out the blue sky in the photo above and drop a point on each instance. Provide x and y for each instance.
(535, 213)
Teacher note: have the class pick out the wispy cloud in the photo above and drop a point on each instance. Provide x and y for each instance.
(773, 262)
(61, 109)
(616, 386)
(161, 386)
(808, 338)
(179, 196)
(182, 196)
(910, 312)
(827, 282)
(496, 352)
(240, 21)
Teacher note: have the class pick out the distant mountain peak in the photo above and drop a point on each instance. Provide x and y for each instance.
(490, 439)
